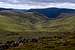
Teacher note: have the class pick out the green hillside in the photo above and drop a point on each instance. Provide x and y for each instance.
(33, 22)
(64, 24)
(8, 24)
(14, 24)
(56, 34)
(51, 34)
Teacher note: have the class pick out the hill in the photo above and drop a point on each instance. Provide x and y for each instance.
(63, 23)
(34, 30)
(57, 34)
(12, 20)
(12, 23)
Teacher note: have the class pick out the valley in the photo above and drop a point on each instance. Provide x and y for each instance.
(33, 30)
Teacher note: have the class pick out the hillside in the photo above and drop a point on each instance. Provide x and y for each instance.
(14, 24)
(24, 20)
(63, 23)
(57, 34)
(20, 22)
(28, 30)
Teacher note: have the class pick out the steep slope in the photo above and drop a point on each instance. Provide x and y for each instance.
(28, 16)
(64, 24)
(14, 24)
(27, 20)
(8, 24)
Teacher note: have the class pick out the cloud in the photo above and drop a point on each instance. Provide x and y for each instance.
(24, 1)
(14, 1)
(38, 5)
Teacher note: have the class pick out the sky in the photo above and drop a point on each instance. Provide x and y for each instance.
(33, 4)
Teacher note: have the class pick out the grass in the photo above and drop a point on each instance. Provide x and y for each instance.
(60, 25)
(42, 49)
(8, 25)
(12, 28)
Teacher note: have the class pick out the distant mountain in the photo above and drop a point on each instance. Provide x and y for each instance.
(49, 12)
(52, 12)
(13, 10)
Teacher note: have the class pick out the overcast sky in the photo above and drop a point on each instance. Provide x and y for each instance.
(24, 1)
(28, 4)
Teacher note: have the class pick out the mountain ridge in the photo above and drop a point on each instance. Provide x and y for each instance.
(49, 12)
(53, 12)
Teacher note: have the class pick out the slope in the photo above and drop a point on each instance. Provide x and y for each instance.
(63, 24)
(14, 24)
(61, 35)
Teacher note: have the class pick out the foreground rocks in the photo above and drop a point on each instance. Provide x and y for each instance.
(19, 42)
(58, 41)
